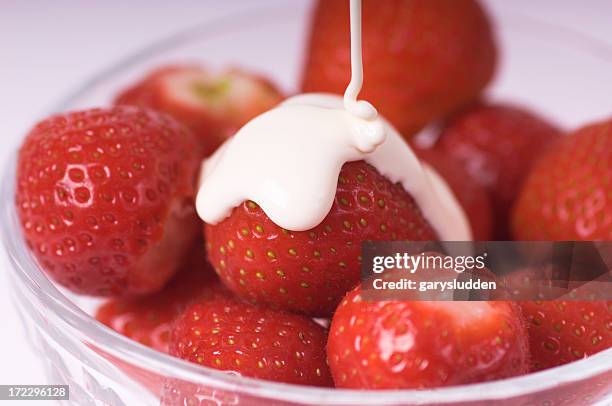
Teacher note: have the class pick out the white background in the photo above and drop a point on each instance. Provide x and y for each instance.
(49, 47)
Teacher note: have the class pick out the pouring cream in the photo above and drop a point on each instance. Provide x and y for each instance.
(288, 159)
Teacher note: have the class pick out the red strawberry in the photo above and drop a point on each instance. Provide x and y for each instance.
(566, 331)
(422, 58)
(310, 271)
(497, 144)
(148, 319)
(213, 104)
(252, 341)
(568, 194)
(472, 196)
(105, 198)
(424, 344)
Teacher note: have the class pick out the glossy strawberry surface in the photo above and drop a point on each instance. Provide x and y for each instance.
(105, 198)
(564, 331)
(252, 341)
(394, 344)
(568, 194)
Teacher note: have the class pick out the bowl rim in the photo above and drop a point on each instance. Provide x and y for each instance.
(29, 273)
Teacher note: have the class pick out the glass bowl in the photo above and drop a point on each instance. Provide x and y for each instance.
(103, 367)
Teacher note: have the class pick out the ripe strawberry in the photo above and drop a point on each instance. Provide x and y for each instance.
(422, 59)
(148, 319)
(566, 331)
(310, 271)
(105, 198)
(213, 104)
(497, 144)
(568, 194)
(252, 341)
(424, 344)
(472, 196)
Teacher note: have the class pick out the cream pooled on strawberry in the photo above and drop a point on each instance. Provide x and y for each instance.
(288, 160)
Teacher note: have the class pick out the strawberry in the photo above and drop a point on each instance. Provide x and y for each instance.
(252, 341)
(310, 271)
(473, 197)
(568, 194)
(424, 344)
(422, 59)
(105, 199)
(565, 331)
(213, 104)
(148, 319)
(497, 144)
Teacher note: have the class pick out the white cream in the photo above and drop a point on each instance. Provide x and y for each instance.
(288, 160)
(358, 108)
